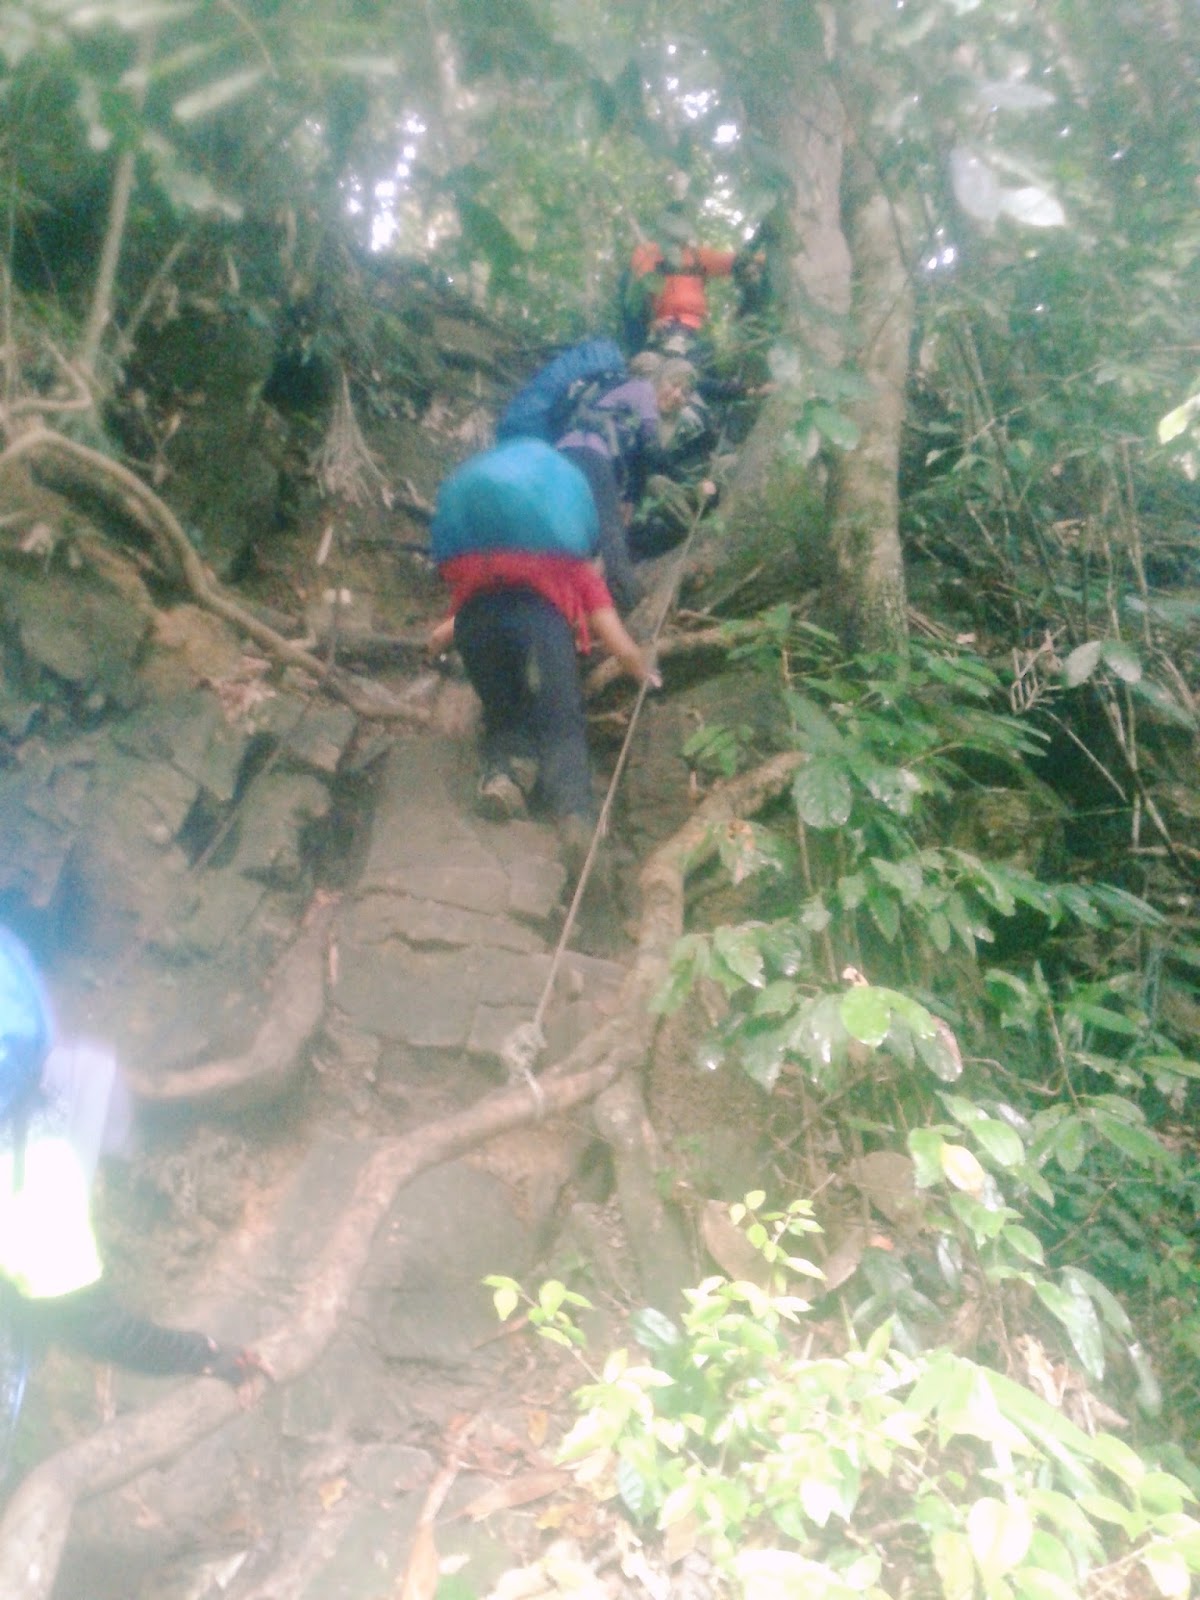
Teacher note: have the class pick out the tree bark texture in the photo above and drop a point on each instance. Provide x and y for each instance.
(769, 542)
(864, 482)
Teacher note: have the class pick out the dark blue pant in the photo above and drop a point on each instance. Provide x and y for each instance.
(519, 653)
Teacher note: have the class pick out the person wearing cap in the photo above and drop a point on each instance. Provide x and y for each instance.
(52, 1285)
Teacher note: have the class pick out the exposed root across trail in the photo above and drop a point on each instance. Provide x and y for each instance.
(91, 470)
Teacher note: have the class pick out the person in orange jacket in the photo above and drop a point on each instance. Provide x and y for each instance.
(679, 298)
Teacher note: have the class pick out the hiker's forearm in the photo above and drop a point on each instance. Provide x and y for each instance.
(617, 640)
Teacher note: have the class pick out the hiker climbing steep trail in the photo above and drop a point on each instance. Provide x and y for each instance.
(513, 535)
(617, 423)
(51, 1278)
(669, 277)
(616, 438)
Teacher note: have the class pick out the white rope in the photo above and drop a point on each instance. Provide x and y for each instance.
(526, 1043)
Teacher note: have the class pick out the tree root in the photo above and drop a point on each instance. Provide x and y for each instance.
(115, 482)
(37, 1518)
(659, 1246)
(266, 1069)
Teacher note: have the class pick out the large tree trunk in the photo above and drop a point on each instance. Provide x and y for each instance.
(774, 545)
(865, 501)
(788, 522)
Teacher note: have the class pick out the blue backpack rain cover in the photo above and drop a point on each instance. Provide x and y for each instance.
(520, 495)
(542, 409)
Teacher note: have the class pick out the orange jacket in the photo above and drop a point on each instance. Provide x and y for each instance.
(682, 297)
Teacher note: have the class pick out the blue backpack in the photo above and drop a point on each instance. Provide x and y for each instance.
(542, 409)
(520, 495)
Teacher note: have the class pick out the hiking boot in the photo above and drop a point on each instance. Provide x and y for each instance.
(499, 797)
(525, 771)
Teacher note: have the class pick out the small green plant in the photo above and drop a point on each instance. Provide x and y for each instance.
(866, 1473)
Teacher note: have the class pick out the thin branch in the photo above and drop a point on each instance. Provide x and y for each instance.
(124, 178)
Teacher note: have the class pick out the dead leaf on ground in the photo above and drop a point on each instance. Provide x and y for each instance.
(538, 1425)
(519, 1491)
(888, 1179)
(729, 1247)
(843, 1259)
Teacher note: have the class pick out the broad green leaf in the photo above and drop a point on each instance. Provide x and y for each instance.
(925, 1146)
(820, 1499)
(921, 1023)
(1104, 1017)
(776, 1000)
(1134, 1141)
(1032, 205)
(654, 1331)
(762, 1054)
(551, 1296)
(866, 1014)
(1176, 422)
(1069, 1142)
(633, 1489)
(962, 1169)
(1120, 1459)
(1035, 1583)
(999, 1532)
(1067, 1442)
(820, 733)
(894, 787)
(1122, 660)
(1103, 1508)
(823, 794)
(738, 949)
(1110, 1308)
(1002, 1143)
(819, 1033)
(505, 1299)
(961, 921)
(852, 891)
(906, 877)
(1168, 1571)
(953, 1563)
(940, 1053)
(885, 913)
(1082, 663)
(1175, 1064)
(1164, 702)
(1165, 1495)
(1024, 1243)
(678, 1503)
(1075, 1311)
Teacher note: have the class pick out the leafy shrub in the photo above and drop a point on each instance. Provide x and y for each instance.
(868, 1473)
